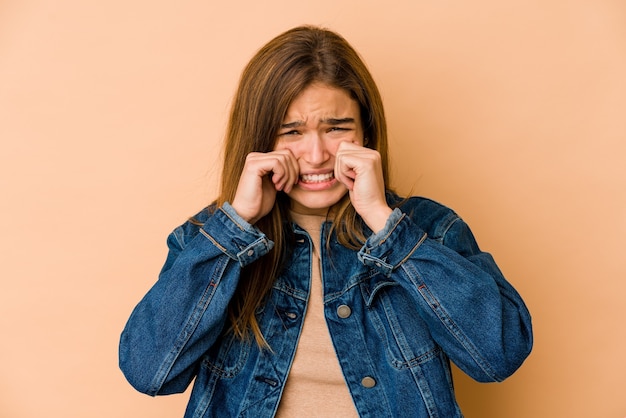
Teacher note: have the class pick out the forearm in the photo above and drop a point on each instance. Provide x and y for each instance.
(184, 313)
(476, 316)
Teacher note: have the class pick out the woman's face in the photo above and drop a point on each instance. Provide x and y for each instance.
(317, 121)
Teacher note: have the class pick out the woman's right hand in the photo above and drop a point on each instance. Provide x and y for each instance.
(264, 174)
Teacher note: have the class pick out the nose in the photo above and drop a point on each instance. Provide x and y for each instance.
(315, 152)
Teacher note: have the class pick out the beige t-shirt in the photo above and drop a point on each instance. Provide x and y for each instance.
(315, 386)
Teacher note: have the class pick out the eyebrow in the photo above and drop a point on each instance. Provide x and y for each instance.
(327, 121)
(335, 121)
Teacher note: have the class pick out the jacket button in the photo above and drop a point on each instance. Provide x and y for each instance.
(344, 311)
(250, 253)
(368, 382)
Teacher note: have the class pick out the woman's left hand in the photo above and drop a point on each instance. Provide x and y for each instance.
(360, 170)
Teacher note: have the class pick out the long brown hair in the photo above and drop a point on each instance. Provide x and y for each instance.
(278, 72)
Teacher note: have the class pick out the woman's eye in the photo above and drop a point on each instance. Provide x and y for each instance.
(337, 128)
(289, 133)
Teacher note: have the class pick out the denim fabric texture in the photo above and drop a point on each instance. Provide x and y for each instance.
(419, 294)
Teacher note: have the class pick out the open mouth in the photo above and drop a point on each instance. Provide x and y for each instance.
(317, 178)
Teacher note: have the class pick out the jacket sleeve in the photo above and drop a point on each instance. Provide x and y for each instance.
(473, 313)
(184, 312)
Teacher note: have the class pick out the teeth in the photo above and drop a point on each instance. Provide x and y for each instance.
(316, 178)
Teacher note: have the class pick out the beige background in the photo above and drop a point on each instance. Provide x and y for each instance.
(111, 116)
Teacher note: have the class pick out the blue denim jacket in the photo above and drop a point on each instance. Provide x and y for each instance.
(418, 294)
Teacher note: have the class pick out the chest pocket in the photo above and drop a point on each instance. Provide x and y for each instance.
(393, 315)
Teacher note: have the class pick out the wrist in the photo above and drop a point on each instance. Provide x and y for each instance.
(243, 214)
(376, 220)
(237, 215)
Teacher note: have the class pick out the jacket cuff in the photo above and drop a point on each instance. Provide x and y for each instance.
(389, 247)
(237, 238)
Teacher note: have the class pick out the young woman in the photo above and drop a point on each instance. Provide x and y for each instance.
(308, 288)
